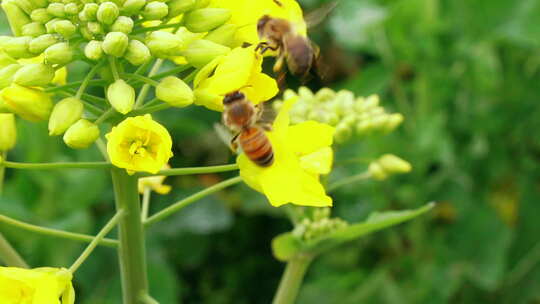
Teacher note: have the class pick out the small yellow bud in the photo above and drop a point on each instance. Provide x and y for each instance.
(89, 12)
(115, 44)
(377, 172)
(107, 13)
(201, 52)
(65, 28)
(8, 133)
(15, 15)
(41, 15)
(175, 92)
(155, 10)
(121, 96)
(7, 73)
(34, 74)
(30, 104)
(393, 164)
(224, 35)
(123, 24)
(33, 29)
(93, 50)
(5, 59)
(56, 9)
(94, 28)
(81, 134)
(133, 7)
(177, 7)
(41, 43)
(59, 53)
(49, 26)
(394, 121)
(64, 114)
(206, 19)
(17, 47)
(137, 53)
(71, 9)
(164, 44)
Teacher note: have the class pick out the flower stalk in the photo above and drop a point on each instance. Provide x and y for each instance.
(9, 255)
(292, 278)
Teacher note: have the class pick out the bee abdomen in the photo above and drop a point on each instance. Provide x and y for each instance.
(257, 146)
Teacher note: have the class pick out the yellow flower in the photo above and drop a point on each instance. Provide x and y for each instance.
(155, 183)
(139, 144)
(301, 153)
(246, 14)
(40, 285)
(240, 70)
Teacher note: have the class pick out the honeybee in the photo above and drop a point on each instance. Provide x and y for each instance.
(241, 116)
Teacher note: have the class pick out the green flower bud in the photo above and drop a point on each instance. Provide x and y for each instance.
(164, 44)
(59, 53)
(175, 92)
(121, 96)
(86, 33)
(8, 136)
(64, 114)
(33, 29)
(17, 47)
(26, 6)
(89, 12)
(343, 132)
(56, 9)
(50, 25)
(155, 10)
(137, 53)
(40, 3)
(71, 9)
(41, 15)
(81, 134)
(177, 7)
(93, 50)
(394, 121)
(206, 19)
(305, 93)
(65, 28)
(5, 60)
(200, 52)
(115, 44)
(377, 172)
(394, 165)
(7, 73)
(34, 75)
(224, 35)
(133, 7)
(201, 4)
(15, 15)
(94, 28)
(30, 104)
(107, 12)
(41, 43)
(122, 24)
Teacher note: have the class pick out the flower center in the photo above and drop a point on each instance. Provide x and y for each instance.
(137, 148)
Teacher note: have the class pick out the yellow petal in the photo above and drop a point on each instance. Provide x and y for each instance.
(318, 162)
(310, 136)
(261, 87)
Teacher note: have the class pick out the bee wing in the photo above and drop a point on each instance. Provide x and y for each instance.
(225, 135)
(266, 114)
(318, 15)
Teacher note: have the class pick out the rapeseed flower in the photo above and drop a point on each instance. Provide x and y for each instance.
(301, 153)
(44, 285)
(238, 70)
(155, 183)
(139, 144)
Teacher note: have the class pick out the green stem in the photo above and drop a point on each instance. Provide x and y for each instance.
(42, 166)
(191, 76)
(191, 199)
(145, 203)
(131, 253)
(99, 237)
(3, 156)
(74, 84)
(348, 180)
(142, 78)
(292, 278)
(86, 80)
(55, 232)
(102, 147)
(147, 299)
(104, 116)
(9, 255)
(155, 28)
(114, 67)
(146, 87)
(148, 110)
(88, 106)
(170, 72)
(193, 170)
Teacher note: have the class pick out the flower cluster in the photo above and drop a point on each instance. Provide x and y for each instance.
(320, 224)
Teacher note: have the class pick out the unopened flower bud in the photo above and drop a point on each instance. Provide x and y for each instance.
(175, 92)
(94, 28)
(394, 121)
(7, 73)
(89, 12)
(65, 28)
(26, 6)
(56, 9)
(224, 35)
(17, 47)
(201, 4)
(41, 43)
(177, 7)
(71, 9)
(85, 33)
(33, 29)
(393, 164)
(155, 10)
(59, 53)
(137, 53)
(64, 114)
(8, 134)
(376, 171)
(30, 104)
(16, 16)
(49, 26)
(107, 12)
(41, 15)
(133, 7)
(122, 24)
(34, 75)
(200, 52)
(93, 50)
(5, 59)
(164, 44)
(206, 19)
(121, 96)
(342, 133)
(81, 134)
(115, 44)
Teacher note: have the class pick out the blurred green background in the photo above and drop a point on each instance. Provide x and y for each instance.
(465, 73)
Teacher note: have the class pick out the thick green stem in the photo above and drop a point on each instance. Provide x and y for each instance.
(144, 90)
(86, 80)
(348, 180)
(43, 166)
(292, 278)
(131, 253)
(9, 256)
(193, 170)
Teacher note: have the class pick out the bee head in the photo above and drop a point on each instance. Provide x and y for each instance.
(262, 23)
(232, 97)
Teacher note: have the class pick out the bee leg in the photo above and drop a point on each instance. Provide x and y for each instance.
(261, 46)
(278, 66)
(278, 2)
(266, 126)
(234, 144)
